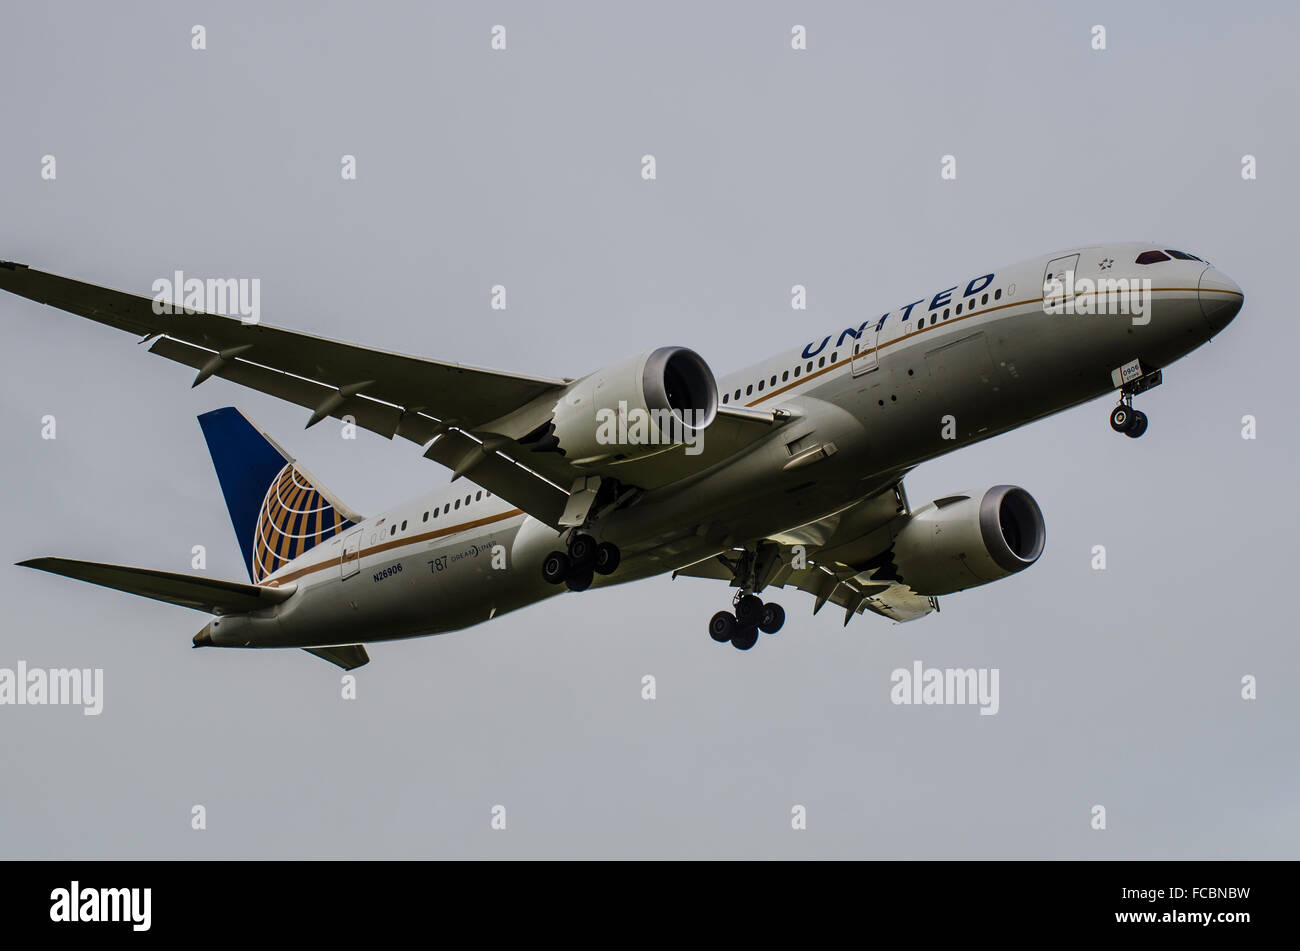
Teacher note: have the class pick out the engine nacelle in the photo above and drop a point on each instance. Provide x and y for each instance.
(642, 406)
(962, 541)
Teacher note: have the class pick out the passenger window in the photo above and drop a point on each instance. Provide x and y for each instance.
(984, 299)
(785, 376)
(760, 386)
(834, 357)
(749, 390)
(796, 373)
(821, 362)
(1151, 257)
(392, 530)
(467, 498)
(997, 295)
(809, 370)
(959, 308)
(478, 496)
(933, 318)
(773, 379)
(726, 397)
(403, 524)
(457, 505)
(426, 516)
(946, 312)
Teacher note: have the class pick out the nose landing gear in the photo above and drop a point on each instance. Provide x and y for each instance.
(1132, 378)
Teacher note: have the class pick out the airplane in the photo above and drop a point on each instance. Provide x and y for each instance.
(787, 474)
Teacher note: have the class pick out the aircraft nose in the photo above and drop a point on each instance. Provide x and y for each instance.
(1220, 298)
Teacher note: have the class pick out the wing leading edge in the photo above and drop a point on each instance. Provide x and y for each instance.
(387, 393)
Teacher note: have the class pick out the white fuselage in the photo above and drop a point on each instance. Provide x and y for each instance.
(887, 390)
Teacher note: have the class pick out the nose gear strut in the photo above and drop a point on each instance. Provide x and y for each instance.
(1124, 418)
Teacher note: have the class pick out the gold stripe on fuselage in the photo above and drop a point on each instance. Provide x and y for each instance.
(397, 543)
(948, 323)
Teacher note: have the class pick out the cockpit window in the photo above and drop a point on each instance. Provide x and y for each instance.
(1181, 255)
(1152, 257)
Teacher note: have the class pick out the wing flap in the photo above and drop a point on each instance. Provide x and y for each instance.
(849, 538)
(370, 414)
(837, 585)
(500, 474)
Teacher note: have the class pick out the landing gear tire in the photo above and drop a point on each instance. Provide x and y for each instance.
(582, 550)
(771, 618)
(607, 558)
(579, 579)
(722, 626)
(1138, 425)
(555, 567)
(745, 638)
(748, 609)
(1122, 417)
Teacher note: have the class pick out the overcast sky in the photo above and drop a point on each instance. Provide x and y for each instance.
(775, 167)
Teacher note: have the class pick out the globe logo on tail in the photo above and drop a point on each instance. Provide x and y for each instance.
(294, 518)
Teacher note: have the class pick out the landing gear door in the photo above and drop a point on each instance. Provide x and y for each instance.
(864, 352)
(1058, 280)
(350, 561)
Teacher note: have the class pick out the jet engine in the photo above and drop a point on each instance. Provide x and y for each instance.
(962, 541)
(644, 405)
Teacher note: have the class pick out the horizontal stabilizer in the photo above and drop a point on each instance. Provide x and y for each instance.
(349, 658)
(202, 594)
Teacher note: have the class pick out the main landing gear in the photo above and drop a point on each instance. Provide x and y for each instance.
(750, 614)
(585, 559)
(1127, 420)
(742, 625)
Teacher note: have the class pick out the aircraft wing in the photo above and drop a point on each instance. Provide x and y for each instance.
(467, 414)
(842, 557)
(855, 592)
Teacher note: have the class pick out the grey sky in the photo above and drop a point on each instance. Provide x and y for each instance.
(775, 167)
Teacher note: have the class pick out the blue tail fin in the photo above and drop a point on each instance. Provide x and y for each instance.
(279, 511)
